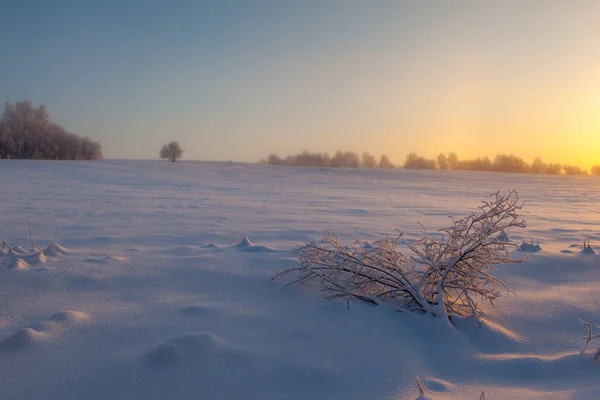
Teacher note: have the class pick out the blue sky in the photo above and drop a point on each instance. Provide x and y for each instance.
(240, 79)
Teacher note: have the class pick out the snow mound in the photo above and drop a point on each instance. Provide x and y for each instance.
(530, 247)
(44, 330)
(19, 250)
(189, 347)
(245, 242)
(21, 262)
(61, 322)
(588, 250)
(247, 246)
(585, 249)
(55, 249)
(499, 330)
(18, 264)
(490, 335)
(24, 338)
(20, 259)
(38, 258)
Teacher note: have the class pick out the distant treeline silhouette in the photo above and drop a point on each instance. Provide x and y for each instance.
(500, 163)
(341, 159)
(26, 132)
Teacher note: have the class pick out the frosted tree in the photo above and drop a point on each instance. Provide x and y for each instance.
(171, 151)
(384, 162)
(26, 132)
(368, 161)
(453, 161)
(442, 162)
(414, 161)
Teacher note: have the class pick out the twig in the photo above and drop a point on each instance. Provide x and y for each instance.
(7, 246)
(419, 386)
(590, 336)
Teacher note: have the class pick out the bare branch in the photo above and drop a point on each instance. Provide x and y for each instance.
(589, 337)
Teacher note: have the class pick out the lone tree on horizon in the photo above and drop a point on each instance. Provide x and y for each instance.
(171, 151)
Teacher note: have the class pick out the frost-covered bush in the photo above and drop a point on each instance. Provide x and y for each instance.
(445, 275)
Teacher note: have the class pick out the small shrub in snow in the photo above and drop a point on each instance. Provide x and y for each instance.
(444, 276)
(589, 338)
(530, 247)
(587, 248)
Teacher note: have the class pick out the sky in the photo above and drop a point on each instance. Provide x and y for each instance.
(237, 80)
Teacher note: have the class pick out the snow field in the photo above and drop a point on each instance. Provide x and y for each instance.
(154, 283)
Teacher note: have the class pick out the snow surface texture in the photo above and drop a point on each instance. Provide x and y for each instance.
(165, 291)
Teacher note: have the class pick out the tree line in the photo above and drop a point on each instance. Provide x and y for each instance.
(500, 163)
(26, 132)
(341, 159)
